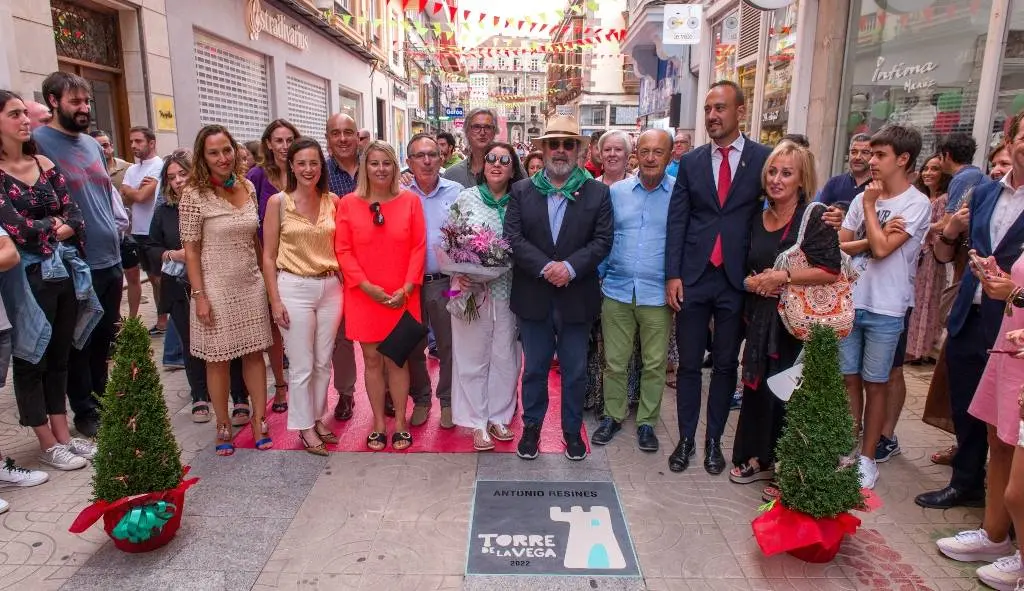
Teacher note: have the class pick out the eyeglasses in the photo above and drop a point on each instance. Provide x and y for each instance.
(566, 144)
(364, 137)
(504, 159)
(478, 127)
(425, 155)
(378, 217)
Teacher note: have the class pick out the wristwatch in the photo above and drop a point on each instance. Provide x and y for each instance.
(948, 241)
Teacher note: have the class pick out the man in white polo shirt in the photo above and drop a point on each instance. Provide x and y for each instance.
(140, 188)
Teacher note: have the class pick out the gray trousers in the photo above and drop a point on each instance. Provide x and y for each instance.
(435, 314)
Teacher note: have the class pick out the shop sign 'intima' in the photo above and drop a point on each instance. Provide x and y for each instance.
(902, 71)
(258, 20)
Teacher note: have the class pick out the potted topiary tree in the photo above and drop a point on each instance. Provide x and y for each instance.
(138, 487)
(818, 479)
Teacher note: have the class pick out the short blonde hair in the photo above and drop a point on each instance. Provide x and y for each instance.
(363, 182)
(804, 160)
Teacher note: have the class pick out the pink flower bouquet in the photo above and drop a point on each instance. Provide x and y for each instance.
(474, 254)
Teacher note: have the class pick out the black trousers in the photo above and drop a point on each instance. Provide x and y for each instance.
(39, 388)
(966, 356)
(89, 379)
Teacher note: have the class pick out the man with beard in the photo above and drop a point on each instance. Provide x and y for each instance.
(342, 167)
(840, 190)
(140, 186)
(716, 196)
(81, 159)
(449, 156)
(559, 224)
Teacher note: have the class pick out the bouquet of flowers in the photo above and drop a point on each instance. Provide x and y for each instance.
(474, 254)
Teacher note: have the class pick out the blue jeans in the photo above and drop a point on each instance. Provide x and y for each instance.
(541, 339)
(871, 346)
(173, 352)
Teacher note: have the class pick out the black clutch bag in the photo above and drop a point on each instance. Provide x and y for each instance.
(402, 339)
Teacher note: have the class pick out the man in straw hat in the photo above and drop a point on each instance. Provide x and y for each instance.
(560, 226)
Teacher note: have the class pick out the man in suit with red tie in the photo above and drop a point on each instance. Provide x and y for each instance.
(716, 196)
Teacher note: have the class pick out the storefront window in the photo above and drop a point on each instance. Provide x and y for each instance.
(1010, 99)
(726, 35)
(914, 64)
(747, 79)
(778, 81)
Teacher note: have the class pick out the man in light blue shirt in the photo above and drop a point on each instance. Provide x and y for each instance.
(437, 195)
(634, 291)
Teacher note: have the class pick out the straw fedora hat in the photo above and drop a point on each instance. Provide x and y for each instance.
(561, 126)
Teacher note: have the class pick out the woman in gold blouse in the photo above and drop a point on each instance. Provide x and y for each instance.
(301, 273)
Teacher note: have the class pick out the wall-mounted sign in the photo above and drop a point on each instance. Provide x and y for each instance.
(682, 23)
(258, 20)
(164, 108)
(565, 110)
(913, 76)
(454, 112)
(400, 93)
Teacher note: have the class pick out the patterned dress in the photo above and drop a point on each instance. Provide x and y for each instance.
(925, 322)
(232, 281)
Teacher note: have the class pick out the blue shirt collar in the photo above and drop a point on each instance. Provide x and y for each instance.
(664, 185)
(442, 184)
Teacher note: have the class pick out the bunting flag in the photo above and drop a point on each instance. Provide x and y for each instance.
(548, 20)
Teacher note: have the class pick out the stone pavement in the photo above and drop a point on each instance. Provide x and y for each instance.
(290, 520)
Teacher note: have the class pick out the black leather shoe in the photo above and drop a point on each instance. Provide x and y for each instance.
(680, 458)
(950, 497)
(343, 410)
(87, 425)
(714, 461)
(646, 439)
(609, 427)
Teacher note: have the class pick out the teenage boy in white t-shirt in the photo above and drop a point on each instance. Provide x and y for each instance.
(883, 231)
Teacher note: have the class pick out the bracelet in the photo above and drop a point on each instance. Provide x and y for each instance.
(196, 292)
(948, 241)
(1017, 297)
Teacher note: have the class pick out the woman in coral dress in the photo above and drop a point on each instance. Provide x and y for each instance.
(381, 243)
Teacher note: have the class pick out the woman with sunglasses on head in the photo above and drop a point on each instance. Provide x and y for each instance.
(270, 178)
(301, 273)
(230, 317)
(485, 352)
(381, 245)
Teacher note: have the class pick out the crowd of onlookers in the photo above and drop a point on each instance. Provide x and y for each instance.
(636, 262)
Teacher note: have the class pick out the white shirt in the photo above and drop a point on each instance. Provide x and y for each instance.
(1009, 206)
(5, 323)
(886, 286)
(142, 213)
(734, 157)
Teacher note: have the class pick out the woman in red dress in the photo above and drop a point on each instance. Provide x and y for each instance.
(381, 243)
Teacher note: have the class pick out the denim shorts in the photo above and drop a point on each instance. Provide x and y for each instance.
(871, 346)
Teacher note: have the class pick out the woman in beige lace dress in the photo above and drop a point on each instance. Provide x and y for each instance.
(229, 312)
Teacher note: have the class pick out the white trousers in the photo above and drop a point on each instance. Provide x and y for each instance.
(314, 312)
(486, 359)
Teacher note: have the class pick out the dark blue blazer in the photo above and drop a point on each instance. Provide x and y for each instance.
(584, 240)
(983, 204)
(695, 217)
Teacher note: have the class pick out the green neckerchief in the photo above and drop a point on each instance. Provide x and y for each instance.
(497, 205)
(569, 189)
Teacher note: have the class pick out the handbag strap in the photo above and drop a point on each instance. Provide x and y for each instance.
(782, 261)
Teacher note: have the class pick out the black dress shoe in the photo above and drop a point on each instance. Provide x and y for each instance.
(646, 439)
(714, 461)
(87, 425)
(343, 411)
(950, 497)
(609, 427)
(680, 458)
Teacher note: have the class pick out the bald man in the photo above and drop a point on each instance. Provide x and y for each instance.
(365, 137)
(39, 113)
(342, 166)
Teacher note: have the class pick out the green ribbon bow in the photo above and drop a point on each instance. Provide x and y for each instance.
(569, 189)
(143, 522)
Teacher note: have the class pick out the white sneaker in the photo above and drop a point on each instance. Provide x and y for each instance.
(12, 474)
(4, 506)
(868, 472)
(1004, 574)
(974, 546)
(61, 458)
(82, 448)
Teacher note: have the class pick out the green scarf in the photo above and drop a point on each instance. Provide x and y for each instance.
(569, 189)
(497, 205)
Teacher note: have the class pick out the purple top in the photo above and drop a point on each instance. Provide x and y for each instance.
(264, 189)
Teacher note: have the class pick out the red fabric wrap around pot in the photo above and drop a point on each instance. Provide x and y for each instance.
(113, 512)
(812, 540)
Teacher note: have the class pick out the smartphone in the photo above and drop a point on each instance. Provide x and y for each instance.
(982, 265)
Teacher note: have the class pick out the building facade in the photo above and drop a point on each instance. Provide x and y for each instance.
(515, 86)
(594, 83)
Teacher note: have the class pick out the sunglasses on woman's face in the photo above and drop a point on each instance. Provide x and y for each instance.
(378, 217)
(504, 159)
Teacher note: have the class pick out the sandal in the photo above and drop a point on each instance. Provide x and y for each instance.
(747, 473)
(226, 448)
(240, 414)
(328, 437)
(770, 493)
(266, 442)
(377, 441)
(944, 457)
(279, 404)
(401, 440)
(201, 412)
(317, 450)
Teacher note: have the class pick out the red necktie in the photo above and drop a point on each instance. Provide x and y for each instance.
(724, 182)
